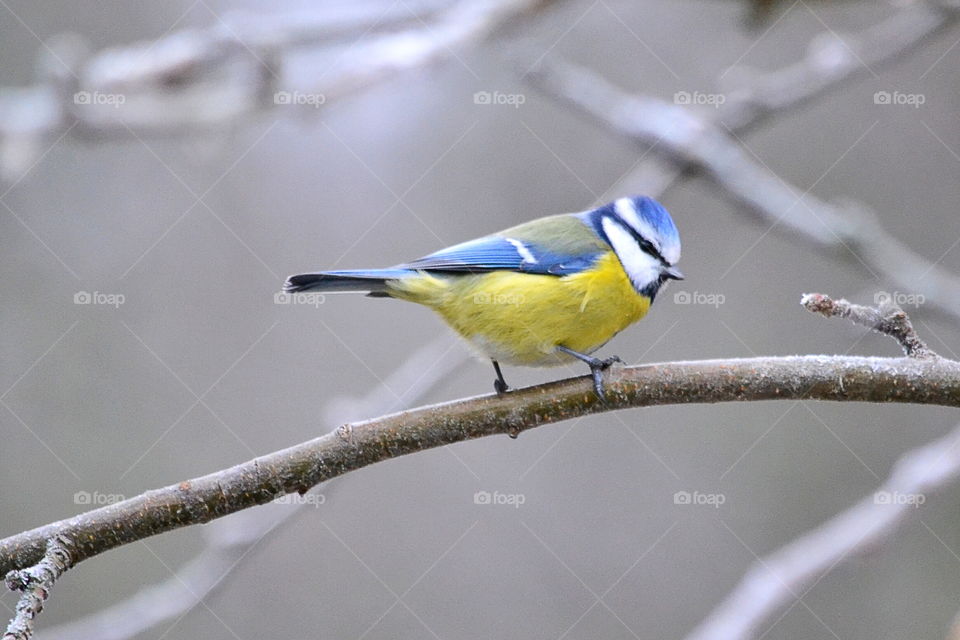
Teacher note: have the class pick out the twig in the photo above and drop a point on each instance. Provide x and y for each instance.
(689, 140)
(888, 319)
(229, 540)
(353, 446)
(194, 581)
(786, 575)
(36, 582)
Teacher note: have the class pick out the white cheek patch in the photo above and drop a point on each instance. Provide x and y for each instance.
(639, 265)
(522, 250)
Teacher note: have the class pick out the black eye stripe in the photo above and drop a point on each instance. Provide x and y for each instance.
(643, 242)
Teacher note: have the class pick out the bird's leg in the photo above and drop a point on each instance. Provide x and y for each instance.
(597, 366)
(499, 385)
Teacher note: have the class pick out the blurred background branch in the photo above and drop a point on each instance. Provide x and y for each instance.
(831, 62)
(207, 79)
(787, 575)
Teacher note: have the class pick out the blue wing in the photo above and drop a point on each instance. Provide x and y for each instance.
(496, 253)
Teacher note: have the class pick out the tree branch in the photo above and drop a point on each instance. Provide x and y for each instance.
(35, 582)
(353, 446)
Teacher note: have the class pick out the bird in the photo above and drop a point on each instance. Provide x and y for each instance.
(547, 292)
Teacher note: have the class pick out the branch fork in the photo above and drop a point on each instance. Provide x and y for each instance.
(35, 583)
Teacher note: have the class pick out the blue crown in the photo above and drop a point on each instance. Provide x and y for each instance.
(658, 218)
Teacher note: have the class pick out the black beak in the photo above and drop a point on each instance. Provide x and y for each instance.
(673, 273)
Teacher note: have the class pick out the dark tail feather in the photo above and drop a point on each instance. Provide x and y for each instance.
(373, 281)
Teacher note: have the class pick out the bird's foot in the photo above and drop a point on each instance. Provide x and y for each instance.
(597, 367)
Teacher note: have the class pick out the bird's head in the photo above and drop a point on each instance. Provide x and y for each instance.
(645, 240)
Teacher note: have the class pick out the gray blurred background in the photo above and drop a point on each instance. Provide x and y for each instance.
(104, 400)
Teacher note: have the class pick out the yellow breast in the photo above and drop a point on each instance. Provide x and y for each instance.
(519, 318)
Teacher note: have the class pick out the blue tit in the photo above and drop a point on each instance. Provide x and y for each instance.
(546, 292)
